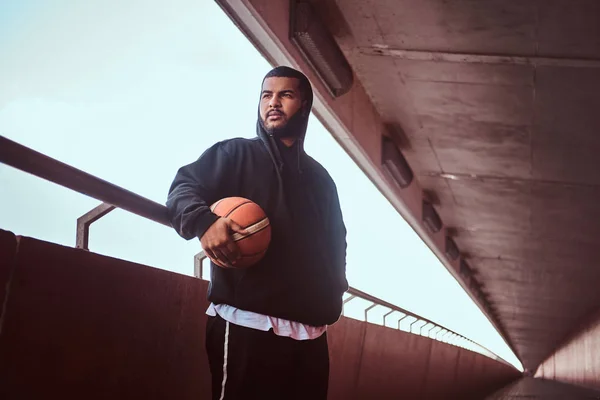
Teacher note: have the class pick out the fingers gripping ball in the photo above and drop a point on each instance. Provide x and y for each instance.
(250, 216)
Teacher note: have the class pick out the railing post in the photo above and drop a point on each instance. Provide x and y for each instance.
(437, 334)
(432, 328)
(87, 219)
(369, 309)
(352, 296)
(386, 315)
(401, 319)
(198, 265)
(412, 323)
(444, 338)
(421, 328)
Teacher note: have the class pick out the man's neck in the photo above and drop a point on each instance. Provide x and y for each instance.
(289, 142)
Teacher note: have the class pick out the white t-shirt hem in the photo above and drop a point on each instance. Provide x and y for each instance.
(252, 320)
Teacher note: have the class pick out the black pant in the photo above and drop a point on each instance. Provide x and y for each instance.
(262, 365)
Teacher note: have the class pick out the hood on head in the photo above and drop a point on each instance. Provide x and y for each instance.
(297, 124)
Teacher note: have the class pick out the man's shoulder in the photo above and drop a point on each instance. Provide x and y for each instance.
(319, 169)
(238, 142)
(235, 145)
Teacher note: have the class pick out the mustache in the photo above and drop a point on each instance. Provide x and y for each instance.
(274, 112)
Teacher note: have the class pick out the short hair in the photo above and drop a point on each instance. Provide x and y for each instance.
(286, 72)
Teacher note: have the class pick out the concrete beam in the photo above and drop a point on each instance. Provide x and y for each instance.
(352, 120)
(471, 58)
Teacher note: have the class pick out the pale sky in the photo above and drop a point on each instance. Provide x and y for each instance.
(129, 92)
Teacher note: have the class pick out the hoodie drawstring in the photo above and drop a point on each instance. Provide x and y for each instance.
(298, 146)
(277, 155)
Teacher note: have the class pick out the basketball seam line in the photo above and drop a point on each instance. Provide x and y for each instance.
(254, 254)
(252, 234)
(261, 225)
(236, 207)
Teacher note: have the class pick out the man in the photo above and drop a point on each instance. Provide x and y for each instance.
(266, 331)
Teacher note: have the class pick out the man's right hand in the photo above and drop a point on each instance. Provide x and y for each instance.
(218, 244)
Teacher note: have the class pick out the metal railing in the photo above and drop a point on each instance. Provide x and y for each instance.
(405, 320)
(113, 196)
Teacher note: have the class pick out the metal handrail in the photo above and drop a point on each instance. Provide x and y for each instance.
(25, 159)
(374, 299)
(42, 166)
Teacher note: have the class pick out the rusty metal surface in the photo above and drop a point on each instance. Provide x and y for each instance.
(83, 326)
(538, 389)
(508, 149)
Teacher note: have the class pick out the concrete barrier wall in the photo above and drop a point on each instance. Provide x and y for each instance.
(8, 248)
(374, 362)
(80, 325)
(577, 361)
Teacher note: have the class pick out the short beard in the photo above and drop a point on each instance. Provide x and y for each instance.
(294, 127)
(271, 130)
(279, 132)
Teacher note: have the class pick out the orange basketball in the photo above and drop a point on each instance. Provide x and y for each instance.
(253, 219)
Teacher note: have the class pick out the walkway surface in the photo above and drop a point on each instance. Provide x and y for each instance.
(538, 389)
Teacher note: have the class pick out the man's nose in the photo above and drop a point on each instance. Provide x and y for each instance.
(274, 102)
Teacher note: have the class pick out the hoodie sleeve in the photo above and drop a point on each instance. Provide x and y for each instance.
(338, 238)
(195, 187)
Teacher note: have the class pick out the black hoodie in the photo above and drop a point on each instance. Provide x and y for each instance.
(302, 276)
